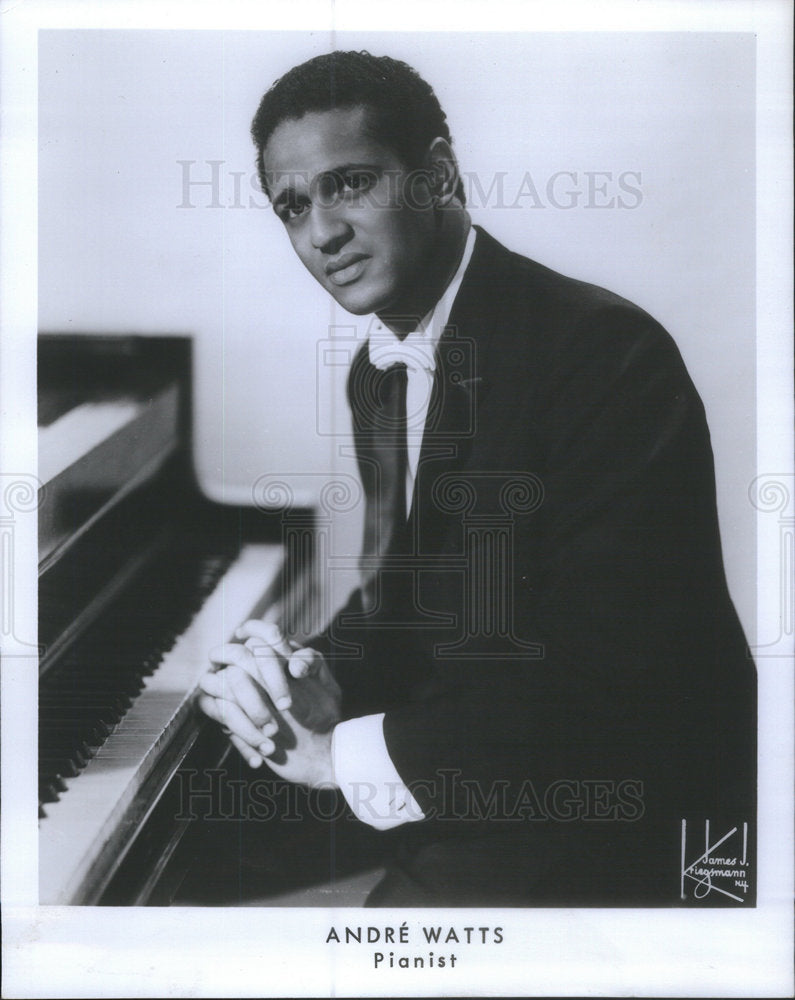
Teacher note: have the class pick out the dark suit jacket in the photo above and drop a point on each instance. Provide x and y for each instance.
(563, 673)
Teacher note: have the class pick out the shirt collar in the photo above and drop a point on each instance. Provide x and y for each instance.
(417, 350)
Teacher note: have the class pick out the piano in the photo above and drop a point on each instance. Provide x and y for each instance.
(139, 576)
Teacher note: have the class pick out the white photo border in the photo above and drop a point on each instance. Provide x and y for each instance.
(62, 952)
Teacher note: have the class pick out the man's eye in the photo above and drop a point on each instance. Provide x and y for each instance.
(360, 180)
(292, 210)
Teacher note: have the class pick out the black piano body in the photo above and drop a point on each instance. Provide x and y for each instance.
(139, 575)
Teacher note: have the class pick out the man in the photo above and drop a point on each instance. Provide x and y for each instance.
(542, 674)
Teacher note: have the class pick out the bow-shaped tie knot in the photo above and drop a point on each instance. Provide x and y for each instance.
(416, 353)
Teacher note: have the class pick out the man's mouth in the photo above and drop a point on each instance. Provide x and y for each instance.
(346, 269)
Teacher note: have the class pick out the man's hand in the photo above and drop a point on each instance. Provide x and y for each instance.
(277, 701)
(315, 701)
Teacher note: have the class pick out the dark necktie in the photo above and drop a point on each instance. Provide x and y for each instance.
(379, 418)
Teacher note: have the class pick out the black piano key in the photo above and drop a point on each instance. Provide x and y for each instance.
(96, 680)
(136, 656)
(105, 707)
(87, 675)
(107, 715)
(71, 709)
(63, 735)
(87, 687)
(67, 737)
(115, 700)
(48, 793)
(68, 743)
(69, 746)
(58, 783)
(68, 766)
(51, 789)
(85, 696)
(87, 723)
(57, 767)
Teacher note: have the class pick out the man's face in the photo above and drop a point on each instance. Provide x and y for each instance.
(360, 221)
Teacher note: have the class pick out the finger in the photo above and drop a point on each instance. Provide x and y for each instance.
(236, 683)
(271, 672)
(208, 704)
(304, 663)
(233, 717)
(247, 693)
(270, 729)
(233, 654)
(213, 684)
(269, 632)
(252, 757)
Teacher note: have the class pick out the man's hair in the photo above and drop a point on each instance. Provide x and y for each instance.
(406, 114)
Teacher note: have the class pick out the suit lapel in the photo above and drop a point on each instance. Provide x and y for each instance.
(461, 383)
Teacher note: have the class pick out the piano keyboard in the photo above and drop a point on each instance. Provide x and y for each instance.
(104, 728)
(91, 688)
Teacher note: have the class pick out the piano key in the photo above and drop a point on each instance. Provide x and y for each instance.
(85, 686)
(57, 781)
(79, 833)
(71, 717)
(48, 793)
(58, 767)
(51, 704)
(125, 688)
(67, 764)
(106, 709)
(84, 735)
(61, 695)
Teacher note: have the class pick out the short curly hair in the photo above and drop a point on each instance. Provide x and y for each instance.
(407, 115)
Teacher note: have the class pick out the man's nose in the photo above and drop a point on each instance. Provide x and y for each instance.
(329, 229)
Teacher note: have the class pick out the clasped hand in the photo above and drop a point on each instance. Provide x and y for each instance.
(276, 700)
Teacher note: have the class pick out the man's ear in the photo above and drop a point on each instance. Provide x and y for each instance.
(443, 170)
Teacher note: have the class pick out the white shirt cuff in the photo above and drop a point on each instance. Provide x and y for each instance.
(369, 781)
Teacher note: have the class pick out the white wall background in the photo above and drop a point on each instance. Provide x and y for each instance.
(119, 251)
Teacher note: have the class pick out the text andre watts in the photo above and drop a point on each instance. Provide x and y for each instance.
(396, 958)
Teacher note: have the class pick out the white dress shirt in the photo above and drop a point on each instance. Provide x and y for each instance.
(363, 768)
